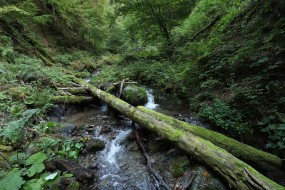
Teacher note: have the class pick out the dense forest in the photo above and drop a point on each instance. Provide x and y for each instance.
(223, 60)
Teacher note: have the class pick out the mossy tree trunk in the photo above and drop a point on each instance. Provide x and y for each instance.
(238, 174)
(71, 99)
(244, 152)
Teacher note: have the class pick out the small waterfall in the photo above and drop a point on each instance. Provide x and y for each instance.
(115, 146)
(150, 103)
(104, 108)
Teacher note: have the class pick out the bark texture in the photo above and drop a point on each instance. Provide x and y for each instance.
(244, 152)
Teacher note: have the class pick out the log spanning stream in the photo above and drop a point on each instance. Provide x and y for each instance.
(121, 165)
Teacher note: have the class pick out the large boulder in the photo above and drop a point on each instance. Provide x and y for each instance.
(135, 95)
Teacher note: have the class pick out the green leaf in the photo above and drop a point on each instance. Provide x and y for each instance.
(79, 145)
(34, 184)
(51, 124)
(269, 145)
(272, 126)
(36, 158)
(35, 168)
(12, 181)
(73, 154)
(281, 127)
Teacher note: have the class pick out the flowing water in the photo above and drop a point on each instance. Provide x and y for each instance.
(121, 165)
(150, 103)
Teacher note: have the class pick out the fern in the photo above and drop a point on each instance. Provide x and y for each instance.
(11, 9)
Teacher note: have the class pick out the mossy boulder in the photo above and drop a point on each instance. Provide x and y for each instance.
(135, 95)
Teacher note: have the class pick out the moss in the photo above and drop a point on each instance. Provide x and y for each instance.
(243, 151)
(71, 99)
(135, 95)
(178, 165)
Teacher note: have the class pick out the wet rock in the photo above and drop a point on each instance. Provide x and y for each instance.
(84, 152)
(31, 149)
(49, 165)
(67, 129)
(132, 147)
(68, 183)
(95, 145)
(135, 95)
(81, 174)
(105, 129)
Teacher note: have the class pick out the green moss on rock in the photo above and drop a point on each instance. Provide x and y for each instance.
(135, 95)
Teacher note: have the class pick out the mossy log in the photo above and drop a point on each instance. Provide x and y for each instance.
(74, 90)
(244, 152)
(237, 173)
(71, 99)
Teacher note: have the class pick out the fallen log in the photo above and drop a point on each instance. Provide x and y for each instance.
(237, 173)
(73, 90)
(71, 99)
(244, 152)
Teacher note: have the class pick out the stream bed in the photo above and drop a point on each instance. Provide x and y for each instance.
(121, 165)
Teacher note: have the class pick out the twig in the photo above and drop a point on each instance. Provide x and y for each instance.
(147, 157)
(121, 88)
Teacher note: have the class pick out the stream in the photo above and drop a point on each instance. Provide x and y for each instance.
(121, 165)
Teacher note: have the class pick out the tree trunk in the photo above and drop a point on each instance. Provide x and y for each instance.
(244, 152)
(71, 99)
(238, 174)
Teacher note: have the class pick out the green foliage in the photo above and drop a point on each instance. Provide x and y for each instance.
(35, 163)
(12, 181)
(14, 131)
(70, 149)
(221, 114)
(274, 127)
(46, 127)
(6, 48)
(179, 165)
(65, 149)
(155, 19)
(49, 145)
(31, 177)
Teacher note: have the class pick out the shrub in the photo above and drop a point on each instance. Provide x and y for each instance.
(223, 116)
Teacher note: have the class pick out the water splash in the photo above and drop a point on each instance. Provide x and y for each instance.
(150, 100)
(104, 108)
(115, 146)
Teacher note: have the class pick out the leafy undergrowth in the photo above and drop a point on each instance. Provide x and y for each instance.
(29, 173)
(26, 91)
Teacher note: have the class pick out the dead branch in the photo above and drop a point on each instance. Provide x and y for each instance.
(158, 177)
